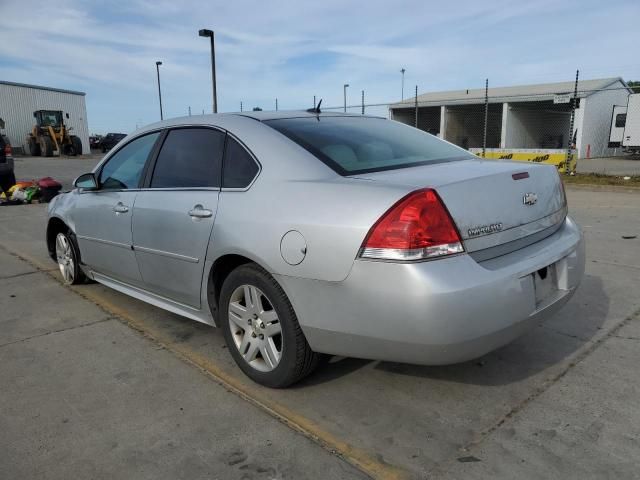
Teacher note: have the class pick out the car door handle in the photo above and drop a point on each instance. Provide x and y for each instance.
(200, 212)
(120, 208)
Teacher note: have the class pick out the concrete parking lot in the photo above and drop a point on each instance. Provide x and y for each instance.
(63, 169)
(621, 165)
(99, 385)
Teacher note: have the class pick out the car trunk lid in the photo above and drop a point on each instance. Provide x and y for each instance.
(491, 202)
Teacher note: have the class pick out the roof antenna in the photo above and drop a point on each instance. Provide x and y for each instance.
(316, 109)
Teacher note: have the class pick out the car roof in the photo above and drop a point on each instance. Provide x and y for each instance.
(281, 114)
(234, 120)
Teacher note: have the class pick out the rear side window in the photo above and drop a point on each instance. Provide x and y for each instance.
(189, 157)
(239, 167)
(352, 145)
(621, 120)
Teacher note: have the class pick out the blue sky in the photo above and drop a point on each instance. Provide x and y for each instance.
(294, 50)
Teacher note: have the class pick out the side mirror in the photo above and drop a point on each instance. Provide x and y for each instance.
(86, 181)
(67, 115)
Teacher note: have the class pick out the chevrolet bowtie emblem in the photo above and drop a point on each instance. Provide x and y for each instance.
(529, 198)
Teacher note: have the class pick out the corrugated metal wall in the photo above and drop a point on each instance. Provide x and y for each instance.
(17, 104)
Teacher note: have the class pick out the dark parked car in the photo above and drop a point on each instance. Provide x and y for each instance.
(7, 176)
(94, 141)
(110, 140)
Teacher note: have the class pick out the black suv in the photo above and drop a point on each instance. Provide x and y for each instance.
(109, 141)
(7, 176)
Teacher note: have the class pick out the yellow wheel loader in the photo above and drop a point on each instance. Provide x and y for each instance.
(49, 134)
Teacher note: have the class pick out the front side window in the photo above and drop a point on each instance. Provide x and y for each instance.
(190, 157)
(352, 145)
(239, 166)
(124, 169)
(621, 120)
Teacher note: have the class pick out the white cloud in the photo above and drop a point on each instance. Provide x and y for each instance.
(293, 49)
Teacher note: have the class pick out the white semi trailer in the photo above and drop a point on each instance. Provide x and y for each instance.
(625, 125)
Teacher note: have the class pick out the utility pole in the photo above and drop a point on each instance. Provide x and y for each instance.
(276, 104)
(345, 97)
(159, 92)
(209, 33)
(189, 110)
(574, 101)
(416, 107)
(486, 117)
(362, 102)
(402, 94)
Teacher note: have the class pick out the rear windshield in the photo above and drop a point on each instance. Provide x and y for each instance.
(352, 145)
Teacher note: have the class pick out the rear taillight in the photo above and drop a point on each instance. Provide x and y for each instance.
(7, 150)
(417, 227)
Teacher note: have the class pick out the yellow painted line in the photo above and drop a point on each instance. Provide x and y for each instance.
(360, 459)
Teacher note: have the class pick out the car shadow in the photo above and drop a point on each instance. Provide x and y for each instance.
(550, 343)
(331, 369)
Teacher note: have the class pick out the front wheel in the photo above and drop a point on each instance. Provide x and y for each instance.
(34, 147)
(68, 259)
(46, 146)
(261, 329)
(77, 145)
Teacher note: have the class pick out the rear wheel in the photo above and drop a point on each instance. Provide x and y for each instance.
(34, 147)
(68, 257)
(46, 146)
(261, 329)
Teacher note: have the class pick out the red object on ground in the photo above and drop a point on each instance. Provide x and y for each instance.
(48, 182)
(49, 188)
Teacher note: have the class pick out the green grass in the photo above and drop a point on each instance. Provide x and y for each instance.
(600, 179)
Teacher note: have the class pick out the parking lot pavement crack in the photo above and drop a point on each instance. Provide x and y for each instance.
(626, 337)
(441, 470)
(61, 330)
(565, 334)
(615, 264)
(24, 274)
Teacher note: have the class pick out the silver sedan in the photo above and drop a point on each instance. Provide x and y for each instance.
(303, 234)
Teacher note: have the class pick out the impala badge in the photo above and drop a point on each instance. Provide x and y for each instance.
(484, 229)
(529, 198)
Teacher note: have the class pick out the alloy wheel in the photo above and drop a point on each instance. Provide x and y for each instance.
(64, 255)
(255, 328)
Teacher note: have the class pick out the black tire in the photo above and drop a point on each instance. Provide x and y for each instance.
(297, 360)
(72, 274)
(46, 146)
(68, 150)
(77, 145)
(34, 147)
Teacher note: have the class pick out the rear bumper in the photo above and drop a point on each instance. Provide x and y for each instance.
(437, 312)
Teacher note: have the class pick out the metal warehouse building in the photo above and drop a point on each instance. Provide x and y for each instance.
(18, 101)
(534, 117)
